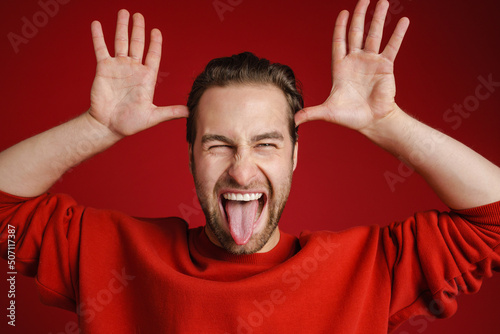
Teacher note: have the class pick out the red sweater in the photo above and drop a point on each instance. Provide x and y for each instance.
(134, 275)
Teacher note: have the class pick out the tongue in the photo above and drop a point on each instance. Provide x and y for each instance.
(241, 216)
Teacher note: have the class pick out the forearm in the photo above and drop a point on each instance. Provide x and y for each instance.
(460, 177)
(32, 166)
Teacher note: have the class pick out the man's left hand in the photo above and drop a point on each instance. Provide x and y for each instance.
(363, 81)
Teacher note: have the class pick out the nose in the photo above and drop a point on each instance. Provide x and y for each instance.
(243, 169)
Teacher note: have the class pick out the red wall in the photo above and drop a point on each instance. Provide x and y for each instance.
(340, 180)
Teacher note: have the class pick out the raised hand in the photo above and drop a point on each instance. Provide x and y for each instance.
(363, 82)
(123, 88)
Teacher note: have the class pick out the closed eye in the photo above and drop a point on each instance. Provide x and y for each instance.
(219, 147)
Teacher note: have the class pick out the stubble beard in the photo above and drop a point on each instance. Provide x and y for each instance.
(275, 206)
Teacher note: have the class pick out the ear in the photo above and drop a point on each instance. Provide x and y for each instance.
(191, 159)
(295, 154)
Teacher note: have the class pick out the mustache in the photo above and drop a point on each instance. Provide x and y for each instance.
(227, 181)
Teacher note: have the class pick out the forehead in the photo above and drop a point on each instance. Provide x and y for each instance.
(238, 110)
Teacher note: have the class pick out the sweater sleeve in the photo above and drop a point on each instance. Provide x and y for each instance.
(434, 257)
(47, 231)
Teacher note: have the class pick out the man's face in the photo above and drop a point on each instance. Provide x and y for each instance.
(242, 162)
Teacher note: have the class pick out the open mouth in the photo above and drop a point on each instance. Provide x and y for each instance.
(242, 212)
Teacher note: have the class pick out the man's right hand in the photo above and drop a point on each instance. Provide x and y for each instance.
(123, 88)
(121, 105)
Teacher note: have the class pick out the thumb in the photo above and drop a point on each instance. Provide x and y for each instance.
(163, 114)
(311, 114)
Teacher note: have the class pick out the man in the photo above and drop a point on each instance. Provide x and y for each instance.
(240, 273)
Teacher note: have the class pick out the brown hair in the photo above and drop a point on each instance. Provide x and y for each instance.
(241, 69)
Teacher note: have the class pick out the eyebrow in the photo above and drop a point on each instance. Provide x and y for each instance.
(267, 135)
(211, 137)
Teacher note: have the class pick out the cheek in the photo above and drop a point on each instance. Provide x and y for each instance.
(208, 172)
(278, 172)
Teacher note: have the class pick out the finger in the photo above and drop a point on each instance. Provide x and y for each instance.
(392, 47)
(310, 114)
(357, 25)
(162, 114)
(121, 36)
(100, 49)
(339, 40)
(154, 52)
(374, 37)
(137, 39)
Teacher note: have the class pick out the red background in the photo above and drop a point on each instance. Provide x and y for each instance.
(340, 179)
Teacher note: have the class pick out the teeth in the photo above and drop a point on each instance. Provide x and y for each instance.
(242, 197)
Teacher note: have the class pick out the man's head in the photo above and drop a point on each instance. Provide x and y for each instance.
(243, 149)
(244, 68)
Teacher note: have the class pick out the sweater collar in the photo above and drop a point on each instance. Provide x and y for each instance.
(287, 246)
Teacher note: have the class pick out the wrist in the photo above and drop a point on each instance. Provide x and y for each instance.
(98, 130)
(388, 127)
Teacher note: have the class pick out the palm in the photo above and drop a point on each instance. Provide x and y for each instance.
(122, 94)
(363, 82)
(363, 90)
(123, 88)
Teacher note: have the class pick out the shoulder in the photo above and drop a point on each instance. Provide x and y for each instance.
(343, 244)
(353, 235)
(125, 227)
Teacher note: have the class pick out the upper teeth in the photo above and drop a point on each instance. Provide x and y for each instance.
(242, 197)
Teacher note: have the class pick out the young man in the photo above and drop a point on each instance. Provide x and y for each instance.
(240, 273)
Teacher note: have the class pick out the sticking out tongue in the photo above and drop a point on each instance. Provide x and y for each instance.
(241, 218)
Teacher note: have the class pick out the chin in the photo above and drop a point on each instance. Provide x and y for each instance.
(249, 248)
(254, 245)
